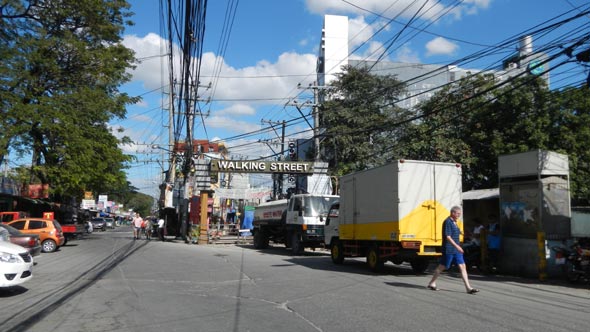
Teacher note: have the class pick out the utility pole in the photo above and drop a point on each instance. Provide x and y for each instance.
(278, 184)
(316, 116)
(316, 124)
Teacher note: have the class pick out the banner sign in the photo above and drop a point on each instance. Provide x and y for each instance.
(252, 193)
(88, 204)
(254, 166)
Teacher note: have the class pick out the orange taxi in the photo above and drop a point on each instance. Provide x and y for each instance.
(49, 231)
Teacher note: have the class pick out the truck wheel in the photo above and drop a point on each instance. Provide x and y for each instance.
(260, 240)
(49, 245)
(419, 265)
(288, 240)
(337, 252)
(374, 262)
(296, 245)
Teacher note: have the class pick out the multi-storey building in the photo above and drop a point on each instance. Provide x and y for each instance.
(422, 80)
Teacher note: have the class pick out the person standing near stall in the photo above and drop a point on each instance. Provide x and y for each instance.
(161, 229)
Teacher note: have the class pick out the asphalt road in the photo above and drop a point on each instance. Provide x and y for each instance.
(108, 282)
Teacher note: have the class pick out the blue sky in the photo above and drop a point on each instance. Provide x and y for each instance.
(273, 46)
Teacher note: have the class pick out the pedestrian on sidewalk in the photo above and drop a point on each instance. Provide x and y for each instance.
(136, 224)
(148, 229)
(452, 251)
(161, 229)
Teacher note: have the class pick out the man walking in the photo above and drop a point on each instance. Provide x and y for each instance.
(452, 251)
(137, 222)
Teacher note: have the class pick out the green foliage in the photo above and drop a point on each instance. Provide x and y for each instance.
(472, 122)
(360, 119)
(62, 66)
(141, 203)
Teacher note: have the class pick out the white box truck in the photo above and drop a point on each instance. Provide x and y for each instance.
(297, 222)
(394, 213)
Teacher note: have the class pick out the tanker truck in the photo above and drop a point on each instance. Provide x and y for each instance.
(297, 222)
(394, 213)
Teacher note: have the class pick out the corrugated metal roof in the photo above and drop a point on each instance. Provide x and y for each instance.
(481, 194)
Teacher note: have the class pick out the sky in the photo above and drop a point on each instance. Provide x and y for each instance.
(272, 48)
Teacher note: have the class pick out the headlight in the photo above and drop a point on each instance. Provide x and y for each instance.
(6, 257)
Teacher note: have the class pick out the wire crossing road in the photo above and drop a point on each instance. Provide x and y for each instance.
(108, 282)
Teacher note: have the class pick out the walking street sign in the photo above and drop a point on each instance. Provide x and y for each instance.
(256, 166)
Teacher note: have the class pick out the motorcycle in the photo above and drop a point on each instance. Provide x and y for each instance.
(574, 261)
(472, 254)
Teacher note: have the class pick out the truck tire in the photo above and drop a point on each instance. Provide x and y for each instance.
(288, 240)
(337, 252)
(419, 265)
(374, 262)
(260, 240)
(296, 245)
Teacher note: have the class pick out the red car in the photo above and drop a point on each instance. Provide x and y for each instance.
(30, 242)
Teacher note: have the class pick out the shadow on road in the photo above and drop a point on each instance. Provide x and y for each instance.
(12, 291)
(320, 260)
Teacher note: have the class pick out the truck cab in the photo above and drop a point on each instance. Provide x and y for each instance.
(7, 216)
(331, 227)
(297, 223)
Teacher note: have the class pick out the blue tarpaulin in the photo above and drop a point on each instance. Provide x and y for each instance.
(248, 218)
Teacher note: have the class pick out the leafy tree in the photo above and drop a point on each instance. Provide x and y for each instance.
(63, 63)
(359, 120)
(570, 133)
(476, 120)
(141, 203)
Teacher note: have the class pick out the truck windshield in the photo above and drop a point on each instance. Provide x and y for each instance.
(316, 206)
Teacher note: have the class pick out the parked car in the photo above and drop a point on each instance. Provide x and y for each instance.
(31, 242)
(49, 231)
(99, 223)
(16, 264)
(110, 223)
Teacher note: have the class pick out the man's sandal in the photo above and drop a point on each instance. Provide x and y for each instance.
(472, 291)
(433, 288)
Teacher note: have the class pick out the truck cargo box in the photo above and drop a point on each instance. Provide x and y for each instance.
(401, 201)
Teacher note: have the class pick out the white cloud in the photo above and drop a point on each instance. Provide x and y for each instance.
(407, 55)
(224, 122)
(440, 46)
(265, 82)
(402, 8)
(237, 109)
(152, 70)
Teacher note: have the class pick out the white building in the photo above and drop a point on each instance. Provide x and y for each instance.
(423, 80)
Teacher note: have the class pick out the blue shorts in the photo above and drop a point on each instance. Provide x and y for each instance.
(447, 260)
